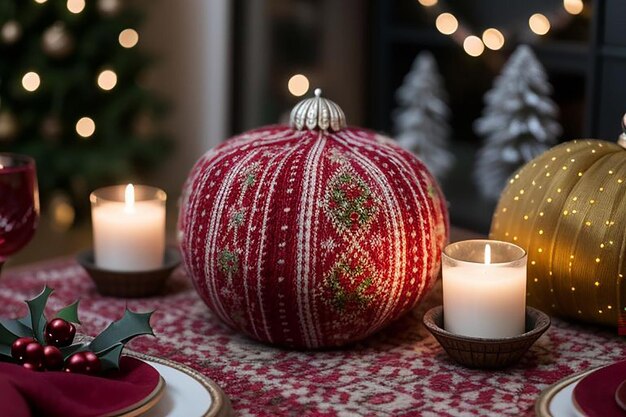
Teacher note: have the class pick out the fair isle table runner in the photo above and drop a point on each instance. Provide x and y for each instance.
(399, 372)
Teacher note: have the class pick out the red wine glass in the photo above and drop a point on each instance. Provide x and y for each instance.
(19, 203)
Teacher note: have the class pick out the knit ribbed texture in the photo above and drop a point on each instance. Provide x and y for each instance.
(308, 238)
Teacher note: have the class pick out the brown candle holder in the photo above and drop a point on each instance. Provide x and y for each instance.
(130, 284)
(475, 352)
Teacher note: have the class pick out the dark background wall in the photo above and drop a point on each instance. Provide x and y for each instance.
(359, 51)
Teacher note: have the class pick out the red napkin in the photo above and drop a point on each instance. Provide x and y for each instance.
(26, 393)
(594, 395)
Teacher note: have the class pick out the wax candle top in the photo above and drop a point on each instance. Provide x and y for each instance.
(484, 252)
(129, 195)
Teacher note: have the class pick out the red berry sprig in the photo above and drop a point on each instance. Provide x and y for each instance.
(58, 333)
(37, 344)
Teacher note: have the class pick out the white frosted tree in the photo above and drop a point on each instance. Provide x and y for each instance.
(421, 121)
(518, 122)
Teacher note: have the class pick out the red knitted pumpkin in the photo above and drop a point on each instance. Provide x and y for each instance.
(311, 238)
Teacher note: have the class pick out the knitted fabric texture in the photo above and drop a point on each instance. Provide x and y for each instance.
(311, 239)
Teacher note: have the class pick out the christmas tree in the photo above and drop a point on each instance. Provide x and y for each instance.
(71, 95)
(421, 122)
(518, 123)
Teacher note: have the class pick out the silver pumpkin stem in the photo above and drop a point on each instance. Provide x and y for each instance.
(317, 113)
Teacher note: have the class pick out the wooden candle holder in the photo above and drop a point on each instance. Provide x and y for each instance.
(129, 284)
(475, 352)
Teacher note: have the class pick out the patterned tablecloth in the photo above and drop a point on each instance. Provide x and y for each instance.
(401, 371)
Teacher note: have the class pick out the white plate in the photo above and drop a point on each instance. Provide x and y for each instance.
(556, 400)
(188, 393)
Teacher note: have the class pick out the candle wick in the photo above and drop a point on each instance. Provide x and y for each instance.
(487, 254)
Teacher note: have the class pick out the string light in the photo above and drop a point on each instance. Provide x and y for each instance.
(573, 6)
(446, 23)
(493, 39)
(31, 81)
(75, 6)
(85, 127)
(128, 38)
(107, 79)
(40, 1)
(428, 3)
(539, 24)
(473, 46)
(298, 85)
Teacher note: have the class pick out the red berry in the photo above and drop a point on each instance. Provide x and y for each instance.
(33, 353)
(83, 363)
(76, 363)
(60, 333)
(93, 363)
(33, 366)
(53, 358)
(18, 348)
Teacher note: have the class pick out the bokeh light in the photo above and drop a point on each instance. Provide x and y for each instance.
(428, 3)
(573, 6)
(493, 39)
(107, 79)
(446, 23)
(539, 24)
(31, 81)
(473, 46)
(75, 6)
(85, 127)
(298, 85)
(128, 38)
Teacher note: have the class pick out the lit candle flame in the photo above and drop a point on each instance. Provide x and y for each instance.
(487, 254)
(129, 198)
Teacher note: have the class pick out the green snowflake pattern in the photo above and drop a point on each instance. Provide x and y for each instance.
(237, 218)
(228, 261)
(345, 288)
(350, 201)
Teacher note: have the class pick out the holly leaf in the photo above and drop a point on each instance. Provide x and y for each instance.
(36, 308)
(16, 327)
(122, 331)
(68, 351)
(5, 350)
(6, 336)
(69, 313)
(110, 358)
(26, 321)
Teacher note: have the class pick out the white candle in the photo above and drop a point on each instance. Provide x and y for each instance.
(484, 288)
(128, 227)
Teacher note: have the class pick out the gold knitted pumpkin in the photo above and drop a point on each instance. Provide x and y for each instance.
(567, 208)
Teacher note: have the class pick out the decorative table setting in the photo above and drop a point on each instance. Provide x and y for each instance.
(317, 249)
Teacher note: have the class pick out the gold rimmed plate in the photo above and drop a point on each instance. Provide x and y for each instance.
(556, 400)
(186, 393)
